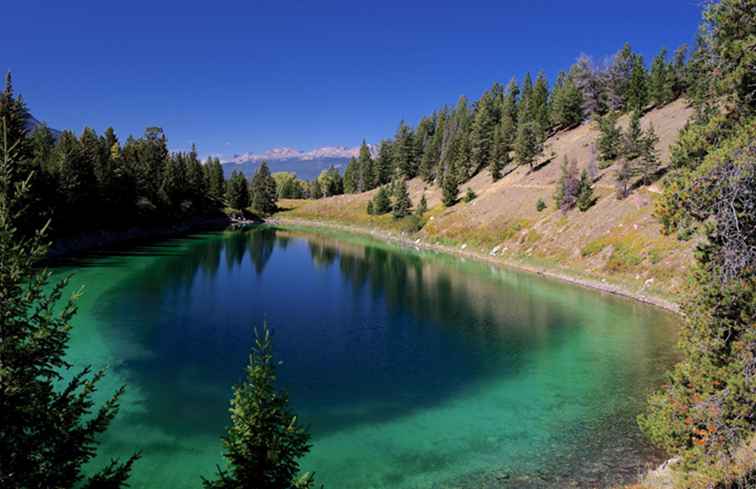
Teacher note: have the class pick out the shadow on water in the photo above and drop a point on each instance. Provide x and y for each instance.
(367, 333)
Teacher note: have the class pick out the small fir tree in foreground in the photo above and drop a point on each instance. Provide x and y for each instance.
(470, 195)
(264, 443)
(528, 143)
(50, 425)
(648, 163)
(632, 144)
(449, 188)
(540, 204)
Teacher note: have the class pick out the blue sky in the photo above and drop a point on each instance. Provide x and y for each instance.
(247, 76)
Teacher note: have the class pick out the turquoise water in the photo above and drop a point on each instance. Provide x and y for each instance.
(411, 369)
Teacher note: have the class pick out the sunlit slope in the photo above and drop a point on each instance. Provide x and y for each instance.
(618, 241)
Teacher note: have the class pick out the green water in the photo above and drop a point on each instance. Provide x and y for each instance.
(412, 369)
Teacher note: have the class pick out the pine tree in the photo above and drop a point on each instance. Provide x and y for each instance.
(524, 110)
(538, 106)
(632, 145)
(470, 195)
(567, 104)
(402, 203)
(568, 186)
(215, 180)
(237, 191)
(499, 156)
(381, 201)
(588, 83)
(450, 187)
(648, 163)
(264, 443)
(50, 426)
(482, 132)
(585, 192)
(366, 177)
(370, 210)
(351, 175)
(679, 71)
(618, 78)
(385, 163)
(660, 81)
(263, 190)
(528, 144)
(609, 142)
(637, 89)
(404, 151)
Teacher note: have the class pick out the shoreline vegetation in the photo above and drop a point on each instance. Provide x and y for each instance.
(464, 252)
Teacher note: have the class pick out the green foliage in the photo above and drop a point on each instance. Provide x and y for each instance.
(264, 443)
(422, 207)
(648, 163)
(288, 186)
(263, 191)
(637, 90)
(369, 209)
(450, 187)
(482, 132)
(566, 104)
(622, 175)
(609, 142)
(469, 195)
(568, 186)
(540, 205)
(237, 191)
(585, 192)
(528, 143)
(633, 144)
(661, 80)
(402, 203)
(50, 426)
(381, 201)
(330, 182)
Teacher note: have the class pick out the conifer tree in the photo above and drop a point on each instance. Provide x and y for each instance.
(632, 145)
(678, 71)
(50, 426)
(499, 156)
(660, 80)
(370, 210)
(648, 162)
(482, 132)
(567, 104)
(402, 203)
(385, 163)
(637, 89)
(237, 191)
(381, 201)
(623, 175)
(585, 192)
(568, 186)
(404, 151)
(366, 180)
(618, 78)
(351, 174)
(538, 106)
(263, 190)
(470, 195)
(264, 443)
(450, 187)
(588, 83)
(609, 142)
(528, 144)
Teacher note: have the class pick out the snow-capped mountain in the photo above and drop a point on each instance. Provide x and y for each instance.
(306, 164)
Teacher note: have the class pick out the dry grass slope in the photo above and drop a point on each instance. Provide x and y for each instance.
(615, 242)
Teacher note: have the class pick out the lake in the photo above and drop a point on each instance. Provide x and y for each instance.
(411, 369)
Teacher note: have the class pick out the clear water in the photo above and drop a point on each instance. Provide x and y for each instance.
(412, 369)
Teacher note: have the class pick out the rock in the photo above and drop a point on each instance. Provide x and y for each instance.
(464, 245)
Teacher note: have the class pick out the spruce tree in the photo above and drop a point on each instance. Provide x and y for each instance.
(405, 151)
(637, 89)
(618, 78)
(237, 191)
(351, 175)
(381, 201)
(609, 142)
(632, 145)
(402, 203)
(450, 187)
(660, 81)
(263, 190)
(50, 426)
(538, 106)
(482, 132)
(264, 443)
(585, 192)
(623, 175)
(678, 71)
(648, 162)
(566, 105)
(470, 195)
(366, 176)
(528, 144)
(384, 164)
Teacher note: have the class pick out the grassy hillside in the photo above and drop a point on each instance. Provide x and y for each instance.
(615, 242)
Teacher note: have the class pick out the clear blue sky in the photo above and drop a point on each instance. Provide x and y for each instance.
(247, 76)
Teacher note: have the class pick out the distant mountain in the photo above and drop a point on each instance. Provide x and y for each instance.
(32, 123)
(305, 164)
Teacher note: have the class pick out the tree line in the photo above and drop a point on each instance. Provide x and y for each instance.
(113, 184)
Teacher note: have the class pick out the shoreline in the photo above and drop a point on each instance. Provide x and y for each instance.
(404, 241)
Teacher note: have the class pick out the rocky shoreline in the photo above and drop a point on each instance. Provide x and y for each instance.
(404, 240)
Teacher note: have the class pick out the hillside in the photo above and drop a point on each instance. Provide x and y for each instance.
(615, 242)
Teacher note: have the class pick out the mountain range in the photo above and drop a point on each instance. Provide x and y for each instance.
(305, 164)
